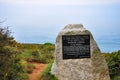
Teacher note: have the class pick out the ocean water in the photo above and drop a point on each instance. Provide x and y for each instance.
(108, 43)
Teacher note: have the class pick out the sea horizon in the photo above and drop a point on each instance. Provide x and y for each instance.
(106, 43)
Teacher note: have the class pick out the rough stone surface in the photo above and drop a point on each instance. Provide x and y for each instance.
(94, 68)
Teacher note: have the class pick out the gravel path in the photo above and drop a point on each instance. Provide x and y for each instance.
(39, 67)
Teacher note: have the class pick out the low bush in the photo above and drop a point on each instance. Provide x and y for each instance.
(17, 71)
(10, 61)
(29, 68)
(43, 53)
(113, 62)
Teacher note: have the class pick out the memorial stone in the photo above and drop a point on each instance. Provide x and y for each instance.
(77, 56)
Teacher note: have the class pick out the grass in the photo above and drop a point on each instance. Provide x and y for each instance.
(46, 74)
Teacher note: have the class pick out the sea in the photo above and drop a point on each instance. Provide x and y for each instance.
(108, 43)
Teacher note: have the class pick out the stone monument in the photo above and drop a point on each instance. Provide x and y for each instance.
(77, 56)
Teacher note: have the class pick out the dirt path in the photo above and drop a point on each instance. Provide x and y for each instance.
(39, 67)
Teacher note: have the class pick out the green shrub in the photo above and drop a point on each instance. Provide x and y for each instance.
(45, 58)
(10, 62)
(17, 71)
(113, 62)
(46, 74)
(35, 53)
(43, 53)
(30, 67)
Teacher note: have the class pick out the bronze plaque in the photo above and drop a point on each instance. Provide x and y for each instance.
(76, 46)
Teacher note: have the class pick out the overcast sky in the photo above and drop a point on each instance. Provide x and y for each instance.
(39, 21)
(60, 2)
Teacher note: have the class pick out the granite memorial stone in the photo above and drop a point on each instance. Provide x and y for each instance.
(77, 56)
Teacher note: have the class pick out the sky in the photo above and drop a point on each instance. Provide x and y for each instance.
(40, 21)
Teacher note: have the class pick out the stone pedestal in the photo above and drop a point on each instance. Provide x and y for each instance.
(89, 68)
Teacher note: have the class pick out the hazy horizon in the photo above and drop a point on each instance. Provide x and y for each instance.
(37, 21)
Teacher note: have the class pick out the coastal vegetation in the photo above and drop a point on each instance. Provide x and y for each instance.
(113, 62)
(11, 64)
